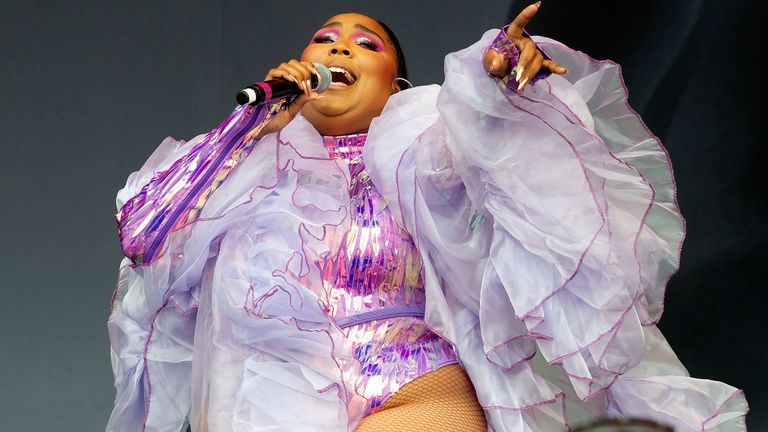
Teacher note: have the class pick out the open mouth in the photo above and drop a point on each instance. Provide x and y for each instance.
(341, 76)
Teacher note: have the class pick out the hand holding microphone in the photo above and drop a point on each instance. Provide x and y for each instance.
(293, 78)
(289, 79)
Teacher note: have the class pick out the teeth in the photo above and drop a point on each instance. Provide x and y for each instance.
(347, 74)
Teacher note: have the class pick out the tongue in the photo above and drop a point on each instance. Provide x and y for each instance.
(339, 77)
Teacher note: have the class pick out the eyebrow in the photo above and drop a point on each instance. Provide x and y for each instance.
(357, 26)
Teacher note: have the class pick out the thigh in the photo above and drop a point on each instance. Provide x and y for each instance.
(443, 400)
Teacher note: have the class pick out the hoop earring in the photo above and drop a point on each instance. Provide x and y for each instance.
(403, 83)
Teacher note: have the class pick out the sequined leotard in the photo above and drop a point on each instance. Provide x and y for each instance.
(376, 291)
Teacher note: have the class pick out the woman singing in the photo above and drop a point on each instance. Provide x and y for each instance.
(489, 254)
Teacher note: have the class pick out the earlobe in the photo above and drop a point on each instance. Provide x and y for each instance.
(399, 84)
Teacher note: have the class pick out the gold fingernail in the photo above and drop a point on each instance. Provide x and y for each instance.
(522, 83)
(519, 73)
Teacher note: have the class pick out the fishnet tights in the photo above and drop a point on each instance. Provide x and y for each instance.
(441, 401)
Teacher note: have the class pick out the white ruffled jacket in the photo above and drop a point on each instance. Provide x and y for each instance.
(548, 227)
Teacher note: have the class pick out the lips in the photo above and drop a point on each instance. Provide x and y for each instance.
(342, 75)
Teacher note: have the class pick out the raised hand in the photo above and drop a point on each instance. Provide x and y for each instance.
(299, 72)
(530, 60)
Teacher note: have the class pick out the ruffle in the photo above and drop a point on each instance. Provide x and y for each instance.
(550, 225)
(548, 228)
(242, 283)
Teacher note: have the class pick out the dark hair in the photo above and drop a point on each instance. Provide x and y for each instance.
(402, 71)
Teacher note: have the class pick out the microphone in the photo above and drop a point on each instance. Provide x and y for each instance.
(268, 91)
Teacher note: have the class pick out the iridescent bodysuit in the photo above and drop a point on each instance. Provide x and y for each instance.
(375, 287)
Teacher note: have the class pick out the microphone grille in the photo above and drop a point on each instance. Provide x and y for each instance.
(324, 78)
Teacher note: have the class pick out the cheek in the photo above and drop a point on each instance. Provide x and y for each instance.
(381, 70)
(312, 52)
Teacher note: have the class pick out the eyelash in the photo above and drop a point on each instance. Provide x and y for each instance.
(323, 39)
(368, 44)
(363, 42)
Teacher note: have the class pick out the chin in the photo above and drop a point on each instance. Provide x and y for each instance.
(331, 105)
(341, 112)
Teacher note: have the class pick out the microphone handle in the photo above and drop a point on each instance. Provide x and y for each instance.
(267, 91)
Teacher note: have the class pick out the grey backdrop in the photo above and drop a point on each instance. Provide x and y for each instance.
(88, 89)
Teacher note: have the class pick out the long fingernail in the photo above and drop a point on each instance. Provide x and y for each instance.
(309, 86)
(522, 84)
(519, 72)
(538, 4)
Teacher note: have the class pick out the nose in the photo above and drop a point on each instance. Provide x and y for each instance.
(340, 51)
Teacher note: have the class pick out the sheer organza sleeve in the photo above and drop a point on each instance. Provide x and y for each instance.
(156, 299)
(551, 226)
(216, 318)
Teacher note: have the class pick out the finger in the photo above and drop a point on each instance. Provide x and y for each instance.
(554, 67)
(306, 72)
(309, 71)
(280, 73)
(531, 71)
(517, 26)
(311, 67)
(300, 74)
(304, 75)
(312, 73)
(294, 71)
(528, 52)
(496, 64)
(275, 73)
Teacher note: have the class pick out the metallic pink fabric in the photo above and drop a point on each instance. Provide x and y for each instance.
(175, 196)
(376, 289)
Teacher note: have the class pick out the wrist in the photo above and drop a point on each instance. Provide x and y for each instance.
(506, 47)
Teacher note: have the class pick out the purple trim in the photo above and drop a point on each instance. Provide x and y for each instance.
(560, 395)
(525, 315)
(737, 394)
(148, 396)
(651, 202)
(600, 140)
(613, 331)
(509, 368)
(381, 314)
(620, 321)
(656, 319)
(255, 306)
